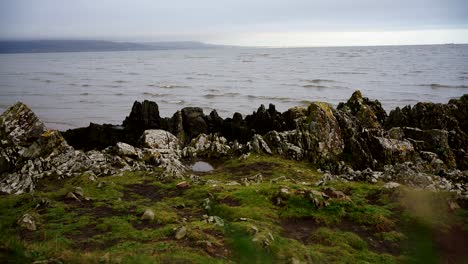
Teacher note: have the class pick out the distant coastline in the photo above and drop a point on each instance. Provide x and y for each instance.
(49, 46)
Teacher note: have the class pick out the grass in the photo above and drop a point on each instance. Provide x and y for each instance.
(370, 225)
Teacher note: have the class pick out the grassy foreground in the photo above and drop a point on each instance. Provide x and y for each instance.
(282, 219)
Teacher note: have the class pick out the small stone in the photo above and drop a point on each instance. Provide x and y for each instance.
(148, 215)
(243, 219)
(453, 205)
(79, 191)
(27, 221)
(72, 196)
(181, 233)
(183, 185)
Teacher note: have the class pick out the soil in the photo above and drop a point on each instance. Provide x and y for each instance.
(452, 245)
(230, 201)
(265, 168)
(301, 228)
(151, 192)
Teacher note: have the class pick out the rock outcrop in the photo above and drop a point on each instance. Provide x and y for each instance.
(356, 136)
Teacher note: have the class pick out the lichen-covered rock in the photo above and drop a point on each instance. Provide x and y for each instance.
(321, 134)
(48, 142)
(159, 139)
(390, 151)
(125, 150)
(369, 113)
(20, 126)
(211, 146)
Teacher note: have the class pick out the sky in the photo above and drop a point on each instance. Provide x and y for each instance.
(275, 23)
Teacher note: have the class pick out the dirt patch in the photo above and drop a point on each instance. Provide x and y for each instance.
(83, 238)
(87, 208)
(452, 245)
(299, 228)
(190, 213)
(265, 168)
(230, 201)
(149, 191)
(140, 224)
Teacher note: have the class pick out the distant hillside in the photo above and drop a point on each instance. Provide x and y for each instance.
(40, 46)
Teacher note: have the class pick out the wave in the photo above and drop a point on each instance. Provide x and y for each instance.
(84, 93)
(119, 94)
(121, 81)
(351, 73)
(178, 102)
(315, 86)
(318, 80)
(155, 94)
(210, 96)
(439, 86)
(173, 86)
(85, 85)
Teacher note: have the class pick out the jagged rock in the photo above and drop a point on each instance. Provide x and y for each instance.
(20, 126)
(319, 134)
(194, 122)
(148, 215)
(259, 145)
(48, 142)
(98, 136)
(211, 146)
(143, 116)
(159, 139)
(27, 221)
(369, 113)
(391, 185)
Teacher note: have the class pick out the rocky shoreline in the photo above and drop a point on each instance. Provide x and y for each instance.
(425, 145)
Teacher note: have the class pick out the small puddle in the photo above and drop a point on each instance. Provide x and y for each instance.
(201, 166)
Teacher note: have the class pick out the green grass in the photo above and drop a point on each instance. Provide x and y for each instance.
(358, 229)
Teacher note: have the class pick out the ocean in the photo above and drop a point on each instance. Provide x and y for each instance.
(69, 90)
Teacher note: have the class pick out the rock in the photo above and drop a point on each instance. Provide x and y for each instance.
(125, 150)
(98, 136)
(48, 142)
(211, 146)
(391, 151)
(20, 126)
(148, 215)
(259, 145)
(159, 139)
(336, 194)
(181, 233)
(143, 116)
(27, 221)
(79, 191)
(72, 196)
(216, 220)
(183, 185)
(369, 113)
(321, 134)
(391, 185)
(194, 122)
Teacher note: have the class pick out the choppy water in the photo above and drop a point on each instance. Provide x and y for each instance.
(72, 89)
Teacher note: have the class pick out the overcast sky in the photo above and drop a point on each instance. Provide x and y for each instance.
(240, 22)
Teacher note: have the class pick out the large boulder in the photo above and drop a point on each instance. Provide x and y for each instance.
(321, 133)
(20, 126)
(391, 151)
(194, 122)
(159, 139)
(143, 116)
